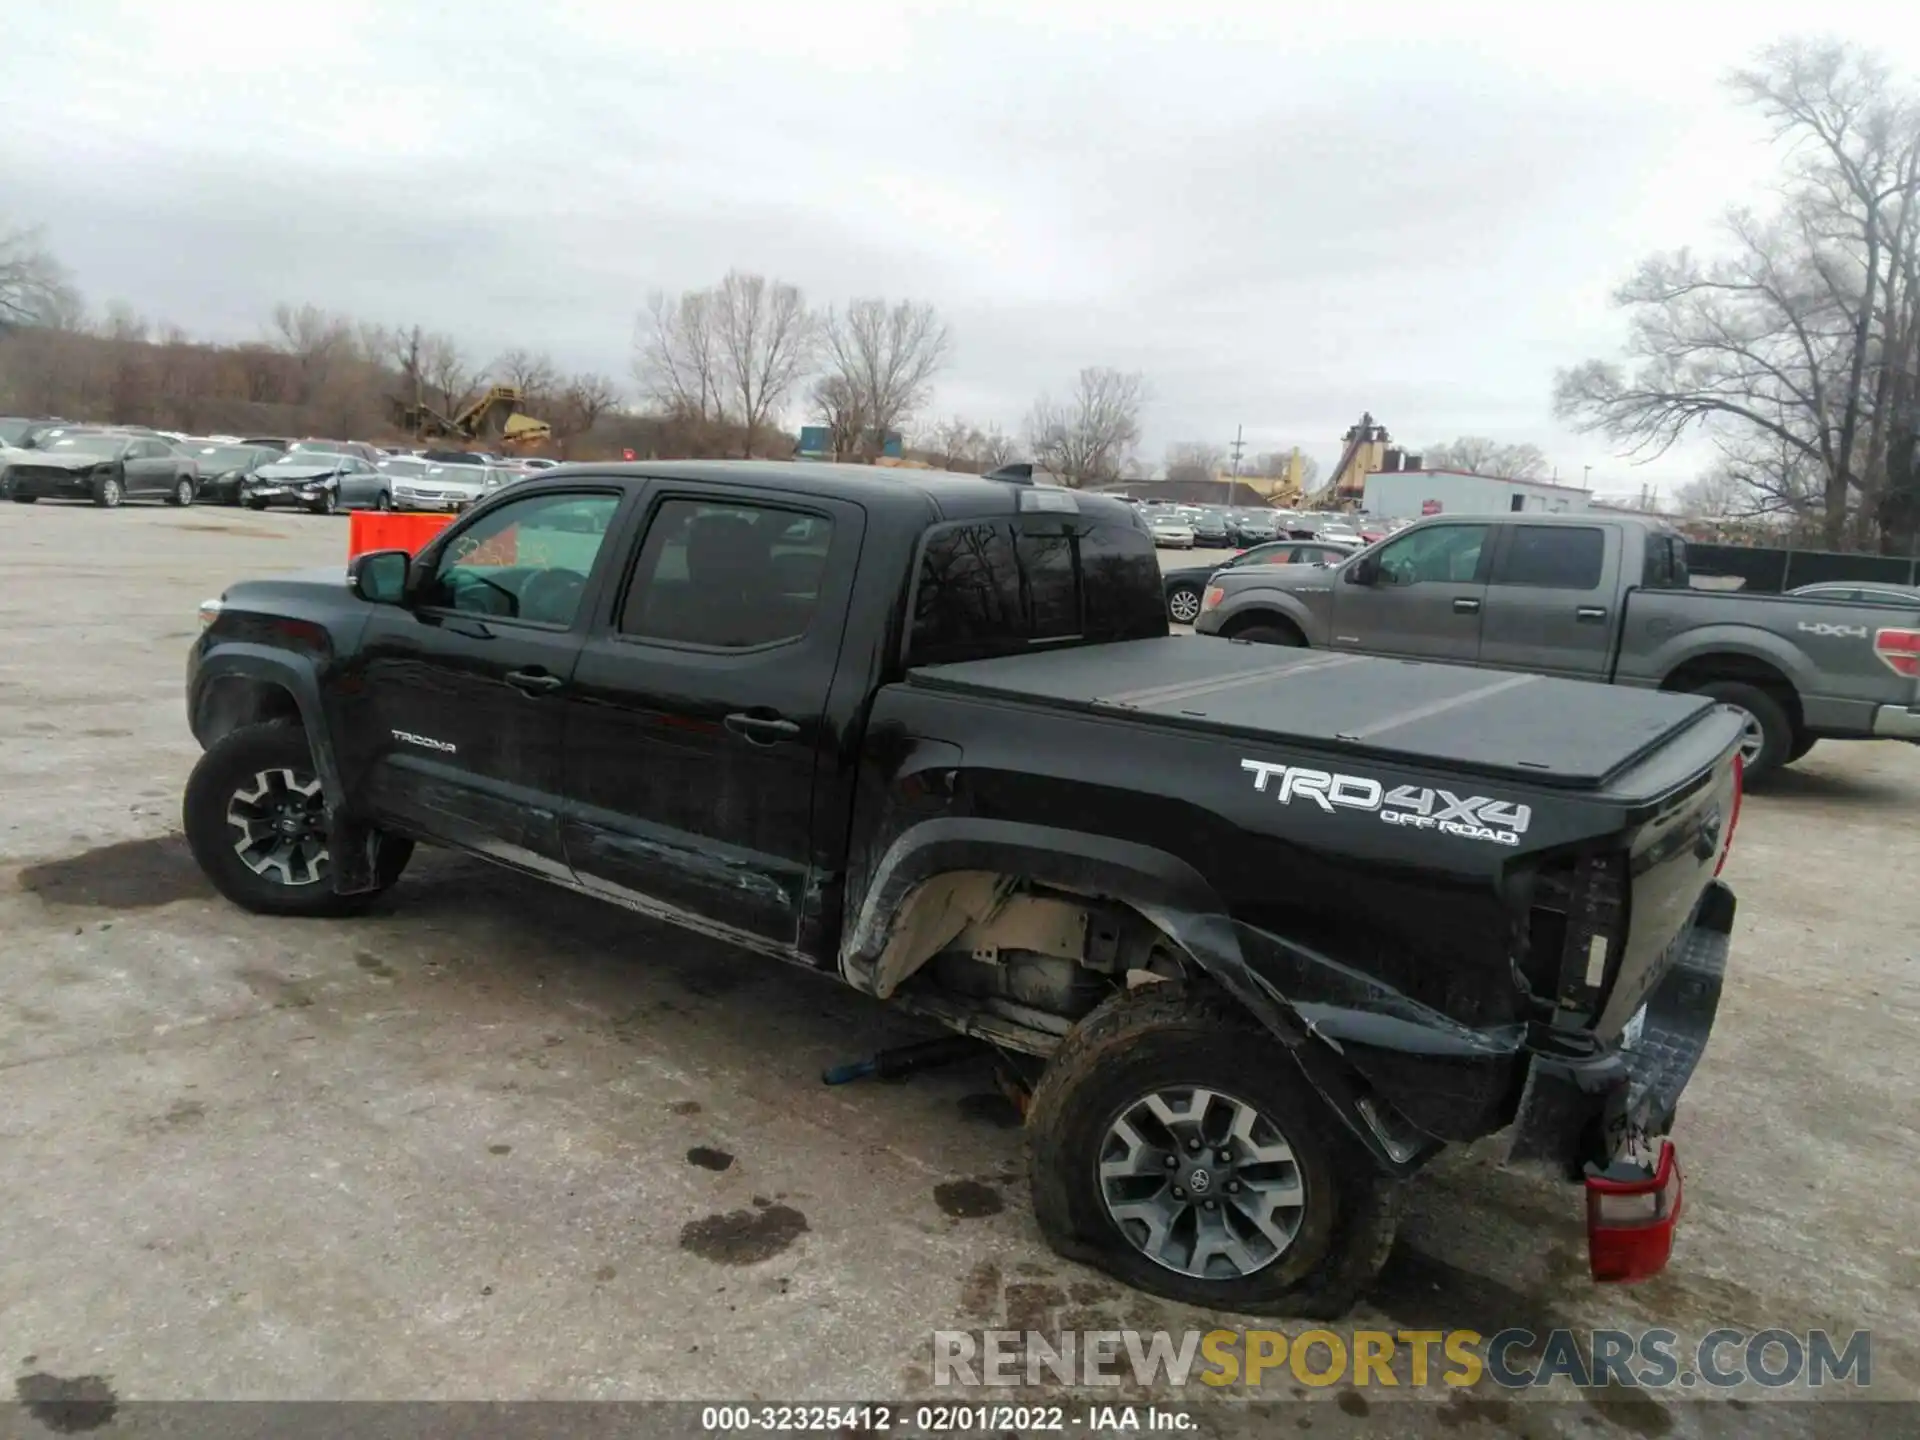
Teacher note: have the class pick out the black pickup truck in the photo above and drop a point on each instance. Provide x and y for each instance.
(1262, 929)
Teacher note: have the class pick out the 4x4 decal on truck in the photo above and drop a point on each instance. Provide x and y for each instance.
(1472, 817)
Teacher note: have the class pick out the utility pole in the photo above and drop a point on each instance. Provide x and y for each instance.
(1239, 445)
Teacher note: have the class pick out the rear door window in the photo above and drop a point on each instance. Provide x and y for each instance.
(727, 576)
(1552, 557)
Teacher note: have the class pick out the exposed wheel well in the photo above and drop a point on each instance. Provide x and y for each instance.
(1703, 669)
(235, 700)
(1016, 962)
(1247, 619)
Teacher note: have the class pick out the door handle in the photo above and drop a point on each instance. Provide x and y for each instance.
(761, 729)
(534, 682)
(1465, 605)
(1591, 614)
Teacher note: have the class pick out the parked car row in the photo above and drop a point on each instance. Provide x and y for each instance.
(1185, 527)
(50, 458)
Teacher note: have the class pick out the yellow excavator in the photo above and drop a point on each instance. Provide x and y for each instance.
(494, 415)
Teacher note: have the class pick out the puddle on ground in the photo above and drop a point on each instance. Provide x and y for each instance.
(743, 1237)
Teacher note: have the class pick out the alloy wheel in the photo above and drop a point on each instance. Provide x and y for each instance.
(183, 493)
(280, 826)
(1753, 738)
(109, 492)
(1201, 1183)
(1184, 606)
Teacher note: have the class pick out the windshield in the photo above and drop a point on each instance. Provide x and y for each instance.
(12, 430)
(305, 460)
(105, 446)
(317, 447)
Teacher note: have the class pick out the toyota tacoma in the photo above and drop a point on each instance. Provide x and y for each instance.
(1261, 930)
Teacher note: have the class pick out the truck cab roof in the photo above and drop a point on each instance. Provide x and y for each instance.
(943, 494)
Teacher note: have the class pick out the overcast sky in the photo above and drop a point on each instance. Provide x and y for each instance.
(1281, 219)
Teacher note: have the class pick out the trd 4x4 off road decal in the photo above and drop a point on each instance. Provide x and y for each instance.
(1422, 807)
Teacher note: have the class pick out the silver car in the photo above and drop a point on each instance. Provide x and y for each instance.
(446, 487)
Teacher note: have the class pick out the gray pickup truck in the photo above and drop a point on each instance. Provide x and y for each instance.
(1595, 597)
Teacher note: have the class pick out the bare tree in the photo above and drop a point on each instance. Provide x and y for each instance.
(1194, 460)
(317, 340)
(1090, 437)
(1801, 341)
(449, 375)
(882, 359)
(764, 337)
(1481, 456)
(583, 399)
(838, 406)
(677, 355)
(534, 375)
(34, 287)
(956, 441)
(996, 448)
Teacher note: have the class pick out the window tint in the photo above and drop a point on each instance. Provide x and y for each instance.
(994, 587)
(1557, 557)
(1448, 553)
(527, 561)
(731, 577)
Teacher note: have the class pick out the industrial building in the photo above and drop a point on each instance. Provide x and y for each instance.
(1408, 493)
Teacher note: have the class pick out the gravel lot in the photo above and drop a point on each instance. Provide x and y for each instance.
(461, 1148)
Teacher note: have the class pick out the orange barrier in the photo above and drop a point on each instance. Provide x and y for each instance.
(382, 530)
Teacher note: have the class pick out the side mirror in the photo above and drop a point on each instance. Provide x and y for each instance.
(1364, 571)
(380, 576)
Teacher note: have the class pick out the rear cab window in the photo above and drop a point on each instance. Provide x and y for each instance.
(986, 588)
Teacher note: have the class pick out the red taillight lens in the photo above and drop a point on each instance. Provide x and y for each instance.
(1900, 649)
(1215, 594)
(1630, 1222)
(1733, 817)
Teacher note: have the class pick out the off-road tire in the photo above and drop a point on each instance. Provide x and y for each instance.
(1776, 726)
(1167, 1036)
(227, 767)
(1270, 635)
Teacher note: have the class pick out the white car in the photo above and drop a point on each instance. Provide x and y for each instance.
(444, 487)
(1169, 533)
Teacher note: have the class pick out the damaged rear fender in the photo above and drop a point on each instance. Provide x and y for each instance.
(943, 874)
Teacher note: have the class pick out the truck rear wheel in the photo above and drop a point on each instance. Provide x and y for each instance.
(1175, 1146)
(1767, 739)
(257, 822)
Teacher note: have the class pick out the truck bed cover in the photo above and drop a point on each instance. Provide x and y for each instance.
(1568, 734)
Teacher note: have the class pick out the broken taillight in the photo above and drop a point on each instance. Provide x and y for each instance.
(1630, 1221)
(1900, 649)
(1733, 816)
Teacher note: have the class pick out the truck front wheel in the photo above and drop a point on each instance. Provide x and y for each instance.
(1175, 1146)
(257, 823)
